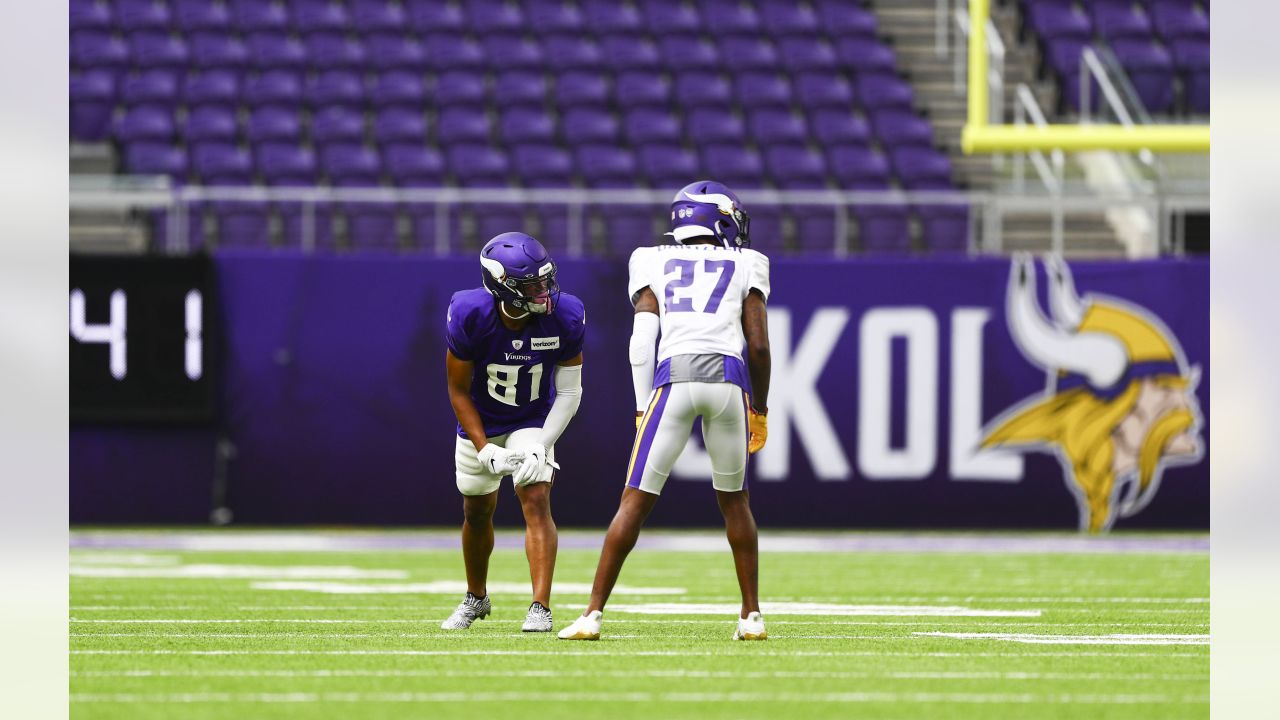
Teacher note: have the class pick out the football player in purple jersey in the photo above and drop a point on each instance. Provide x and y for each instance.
(515, 381)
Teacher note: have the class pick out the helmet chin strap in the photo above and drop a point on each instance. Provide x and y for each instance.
(502, 307)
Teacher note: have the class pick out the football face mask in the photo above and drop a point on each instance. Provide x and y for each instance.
(519, 271)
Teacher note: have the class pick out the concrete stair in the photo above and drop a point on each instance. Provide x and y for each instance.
(101, 230)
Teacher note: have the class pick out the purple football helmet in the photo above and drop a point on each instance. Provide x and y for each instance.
(519, 271)
(709, 208)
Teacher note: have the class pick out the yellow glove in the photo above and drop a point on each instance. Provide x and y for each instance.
(759, 425)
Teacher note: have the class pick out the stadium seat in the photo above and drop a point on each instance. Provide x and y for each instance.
(310, 16)
(708, 127)
(667, 167)
(802, 54)
(1064, 59)
(433, 16)
(513, 52)
(335, 87)
(642, 89)
(777, 127)
(489, 16)
(150, 158)
(785, 18)
(337, 125)
(210, 123)
(944, 228)
(273, 124)
(335, 51)
(276, 51)
(398, 88)
(922, 168)
(840, 18)
(462, 125)
(1053, 21)
(455, 88)
(221, 163)
(282, 163)
(93, 94)
(671, 18)
(1175, 21)
(899, 127)
(839, 127)
(399, 125)
(211, 87)
(585, 126)
(133, 15)
(703, 89)
(1150, 69)
(218, 50)
(759, 89)
(351, 165)
(733, 165)
(89, 15)
(652, 126)
(1117, 19)
(147, 124)
(865, 55)
(477, 165)
(553, 16)
(158, 49)
(688, 53)
(526, 125)
(731, 17)
(1191, 57)
(395, 51)
(94, 50)
(571, 52)
(580, 88)
(451, 52)
(610, 16)
(858, 167)
(543, 165)
(413, 165)
(151, 87)
(378, 16)
(883, 90)
(259, 15)
(273, 87)
(823, 90)
(370, 225)
(750, 53)
(520, 87)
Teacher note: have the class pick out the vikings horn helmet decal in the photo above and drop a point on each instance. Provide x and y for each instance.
(709, 209)
(1119, 404)
(519, 271)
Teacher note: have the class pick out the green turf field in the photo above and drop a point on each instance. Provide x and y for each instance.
(222, 625)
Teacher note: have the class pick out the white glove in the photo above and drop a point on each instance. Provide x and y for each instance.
(535, 456)
(499, 460)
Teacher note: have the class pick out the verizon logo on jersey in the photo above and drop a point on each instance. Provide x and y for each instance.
(544, 343)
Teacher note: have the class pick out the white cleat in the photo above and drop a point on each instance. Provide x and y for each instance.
(751, 627)
(538, 619)
(468, 611)
(586, 627)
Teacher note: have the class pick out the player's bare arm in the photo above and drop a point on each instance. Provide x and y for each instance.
(459, 373)
(755, 326)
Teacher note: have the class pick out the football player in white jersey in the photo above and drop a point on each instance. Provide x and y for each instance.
(706, 294)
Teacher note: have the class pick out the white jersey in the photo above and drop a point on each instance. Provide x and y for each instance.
(700, 290)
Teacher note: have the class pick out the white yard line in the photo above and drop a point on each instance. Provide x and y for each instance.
(639, 697)
(689, 674)
(448, 587)
(442, 635)
(614, 621)
(599, 650)
(1118, 639)
(812, 608)
(234, 572)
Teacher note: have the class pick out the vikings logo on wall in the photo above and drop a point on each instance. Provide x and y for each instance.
(1119, 403)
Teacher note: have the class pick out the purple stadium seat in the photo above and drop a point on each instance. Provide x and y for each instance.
(196, 15)
(841, 18)
(335, 87)
(1174, 21)
(652, 126)
(688, 53)
(731, 17)
(462, 125)
(478, 165)
(211, 87)
(513, 52)
(1052, 21)
(221, 163)
(145, 124)
(459, 87)
(1120, 19)
(762, 89)
(823, 90)
(777, 127)
(256, 15)
(370, 225)
(287, 165)
(335, 51)
(157, 49)
(520, 87)
(337, 125)
(277, 51)
(839, 127)
(133, 15)
(609, 16)
(712, 126)
(89, 15)
(882, 90)
(785, 18)
(862, 55)
(606, 165)
(800, 54)
(93, 94)
(585, 126)
(94, 50)
(1150, 69)
(490, 16)
(351, 165)
(858, 167)
(703, 89)
(571, 52)
(526, 125)
(750, 53)
(395, 51)
(208, 123)
(273, 87)
(944, 228)
(311, 16)
(671, 18)
(628, 52)
(454, 52)
(377, 16)
(553, 16)
(273, 124)
(642, 89)
(399, 125)
(734, 165)
(150, 158)
(543, 165)
(796, 168)
(900, 127)
(151, 87)
(584, 87)
(413, 165)
(1191, 57)
(433, 16)
(218, 50)
(398, 87)
(922, 168)
(668, 167)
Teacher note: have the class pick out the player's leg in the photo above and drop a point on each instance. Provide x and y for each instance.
(725, 434)
(540, 533)
(479, 490)
(624, 530)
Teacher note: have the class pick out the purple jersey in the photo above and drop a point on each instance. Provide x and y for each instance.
(512, 386)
